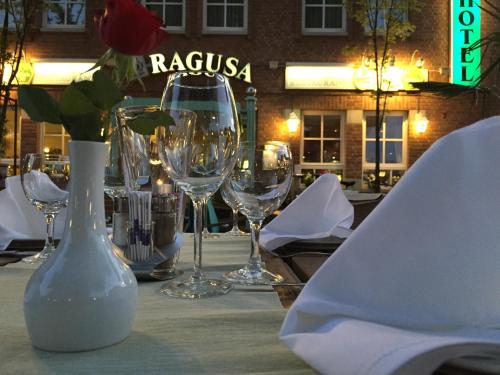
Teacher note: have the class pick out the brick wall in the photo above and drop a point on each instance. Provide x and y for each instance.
(29, 136)
(274, 34)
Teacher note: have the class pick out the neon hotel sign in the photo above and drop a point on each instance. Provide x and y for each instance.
(465, 30)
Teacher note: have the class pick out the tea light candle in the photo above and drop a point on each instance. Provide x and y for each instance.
(160, 188)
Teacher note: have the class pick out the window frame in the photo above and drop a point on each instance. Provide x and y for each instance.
(323, 30)
(65, 26)
(381, 28)
(225, 30)
(404, 157)
(11, 26)
(321, 165)
(62, 136)
(170, 29)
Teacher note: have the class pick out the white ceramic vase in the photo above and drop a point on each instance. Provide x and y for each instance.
(83, 297)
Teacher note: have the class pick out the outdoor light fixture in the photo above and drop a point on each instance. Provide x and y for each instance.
(421, 122)
(419, 63)
(293, 122)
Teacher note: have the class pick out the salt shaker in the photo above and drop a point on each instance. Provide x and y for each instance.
(120, 222)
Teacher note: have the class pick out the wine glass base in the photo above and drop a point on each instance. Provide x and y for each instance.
(191, 289)
(245, 276)
(41, 257)
(165, 274)
(236, 233)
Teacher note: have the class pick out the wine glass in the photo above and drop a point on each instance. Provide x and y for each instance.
(199, 150)
(260, 181)
(232, 201)
(114, 180)
(45, 182)
(206, 220)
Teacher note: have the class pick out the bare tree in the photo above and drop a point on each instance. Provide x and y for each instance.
(385, 22)
(19, 17)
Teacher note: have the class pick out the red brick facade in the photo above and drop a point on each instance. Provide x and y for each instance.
(274, 34)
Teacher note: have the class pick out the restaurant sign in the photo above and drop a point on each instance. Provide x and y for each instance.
(319, 76)
(465, 30)
(198, 61)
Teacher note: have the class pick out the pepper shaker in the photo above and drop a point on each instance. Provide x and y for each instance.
(164, 213)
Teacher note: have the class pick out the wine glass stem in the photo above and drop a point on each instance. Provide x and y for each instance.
(198, 206)
(235, 220)
(49, 239)
(254, 261)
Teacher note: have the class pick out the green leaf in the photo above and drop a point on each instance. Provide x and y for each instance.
(85, 127)
(39, 105)
(106, 93)
(101, 91)
(80, 116)
(146, 123)
(86, 87)
(108, 55)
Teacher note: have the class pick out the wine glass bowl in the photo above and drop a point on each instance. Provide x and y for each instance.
(45, 181)
(199, 150)
(260, 181)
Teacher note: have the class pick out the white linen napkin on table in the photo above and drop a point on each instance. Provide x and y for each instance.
(19, 219)
(418, 282)
(320, 211)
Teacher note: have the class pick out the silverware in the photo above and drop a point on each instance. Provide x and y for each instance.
(292, 253)
(264, 288)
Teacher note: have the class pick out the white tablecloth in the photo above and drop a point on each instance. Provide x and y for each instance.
(232, 334)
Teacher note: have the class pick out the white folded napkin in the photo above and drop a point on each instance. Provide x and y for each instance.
(418, 282)
(321, 210)
(19, 219)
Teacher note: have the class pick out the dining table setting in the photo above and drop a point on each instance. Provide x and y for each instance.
(409, 287)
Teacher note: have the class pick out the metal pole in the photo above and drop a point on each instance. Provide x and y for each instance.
(15, 137)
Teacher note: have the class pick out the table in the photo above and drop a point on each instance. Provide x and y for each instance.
(232, 334)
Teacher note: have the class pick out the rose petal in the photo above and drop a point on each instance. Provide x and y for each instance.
(130, 28)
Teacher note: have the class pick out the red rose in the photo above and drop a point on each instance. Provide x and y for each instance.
(129, 28)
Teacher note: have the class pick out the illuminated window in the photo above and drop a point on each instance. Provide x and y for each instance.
(55, 140)
(64, 14)
(225, 16)
(172, 12)
(392, 151)
(321, 144)
(15, 14)
(400, 15)
(323, 17)
(9, 139)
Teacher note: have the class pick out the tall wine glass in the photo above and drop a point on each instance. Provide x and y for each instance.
(260, 181)
(206, 221)
(45, 181)
(199, 151)
(231, 200)
(114, 180)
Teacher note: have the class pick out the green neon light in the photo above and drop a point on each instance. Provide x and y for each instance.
(465, 30)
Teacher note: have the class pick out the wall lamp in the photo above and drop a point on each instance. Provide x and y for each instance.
(293, 121)
(421, 122)
(419, 63)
